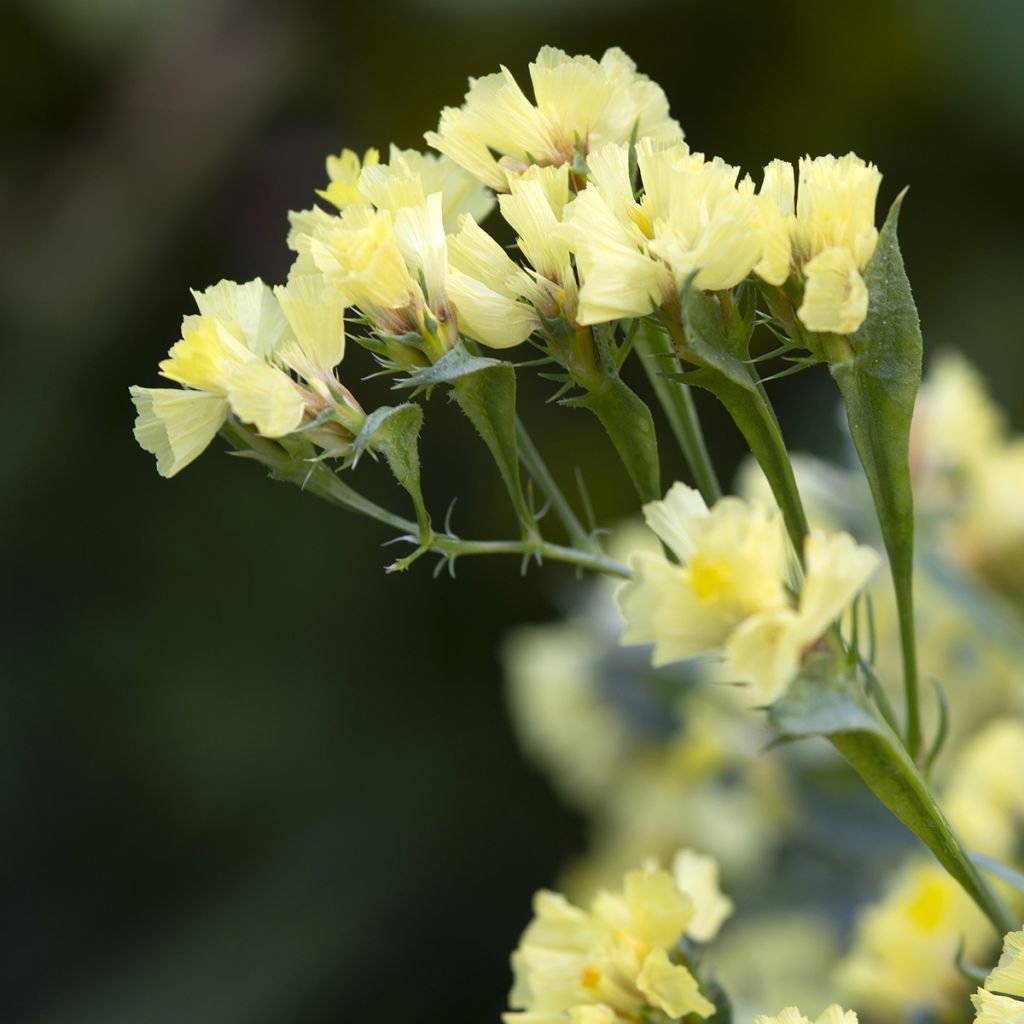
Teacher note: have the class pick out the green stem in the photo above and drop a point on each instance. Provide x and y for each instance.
(656, 350)
(318, 479)
(535, 466)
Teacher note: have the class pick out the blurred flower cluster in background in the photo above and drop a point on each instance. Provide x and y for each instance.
(225, 798)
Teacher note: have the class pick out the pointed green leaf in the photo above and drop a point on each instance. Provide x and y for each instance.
(394, 432)
(751, 412)
(879, 383)
(820, 704)
(716, 338)
(486, 393)
(628, 422)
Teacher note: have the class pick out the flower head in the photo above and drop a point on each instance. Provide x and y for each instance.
(615, 958)
(579, 104)
(233, 358)
(730, 590)
(1001, 1000)
(791, 1015)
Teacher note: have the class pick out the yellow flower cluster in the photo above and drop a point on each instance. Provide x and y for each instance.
(580, 104)
(791, 1015)
(234, 357)
(1001, 999)
(731, 591)
(612, 963)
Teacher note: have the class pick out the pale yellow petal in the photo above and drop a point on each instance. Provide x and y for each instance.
(697, 875)
(835, 295)
(671, 987)
(176, 425)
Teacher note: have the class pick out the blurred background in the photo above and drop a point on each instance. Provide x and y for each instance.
(245, 777)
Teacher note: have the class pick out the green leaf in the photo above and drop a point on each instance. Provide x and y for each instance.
(628, 422)
(879, 383)
(750, 411)
(820, 704)
(394, 432)
(714, 338)
(486, 393)
(452, 366)
(485, 390)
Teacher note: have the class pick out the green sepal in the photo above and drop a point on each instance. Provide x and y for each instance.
(821, 703)
(879, 379)
(485, 390)
(394, 432)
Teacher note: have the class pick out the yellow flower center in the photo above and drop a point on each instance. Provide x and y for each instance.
(709, 577)
(926, 909)
(591, 977)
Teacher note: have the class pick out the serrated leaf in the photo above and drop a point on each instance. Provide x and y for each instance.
(879, 385)
(394, 432)
(819, 704)
(452, 366)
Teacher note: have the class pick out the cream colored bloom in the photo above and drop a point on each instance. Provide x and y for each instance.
(832, 235)
(697, 875)
(410, 176)
(534, 208)
(730, 591)
(579, 102)
(614, 957)
(343, 171)
(317, 321)
(176, 425)
(1001, 1000)
(791, 1015)
(835, 295)
(358, 253)
(694, 219)
(996, 1009)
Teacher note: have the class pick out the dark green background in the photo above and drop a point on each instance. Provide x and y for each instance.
(244, 775)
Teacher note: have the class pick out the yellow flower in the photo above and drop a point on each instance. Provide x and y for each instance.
(228, 360)
(1001, 1000)
(358, 253)
(791, 1015)
(614, 957)
(343, 172)
(993, 1008)
(697, 874)
(832, 235)
(694, 219)
(579, 102)
(410, 176)
(534, 208)
(835, 295)
(729, 593)
(176, 425)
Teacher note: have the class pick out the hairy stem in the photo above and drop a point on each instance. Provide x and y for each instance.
(318, 479)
